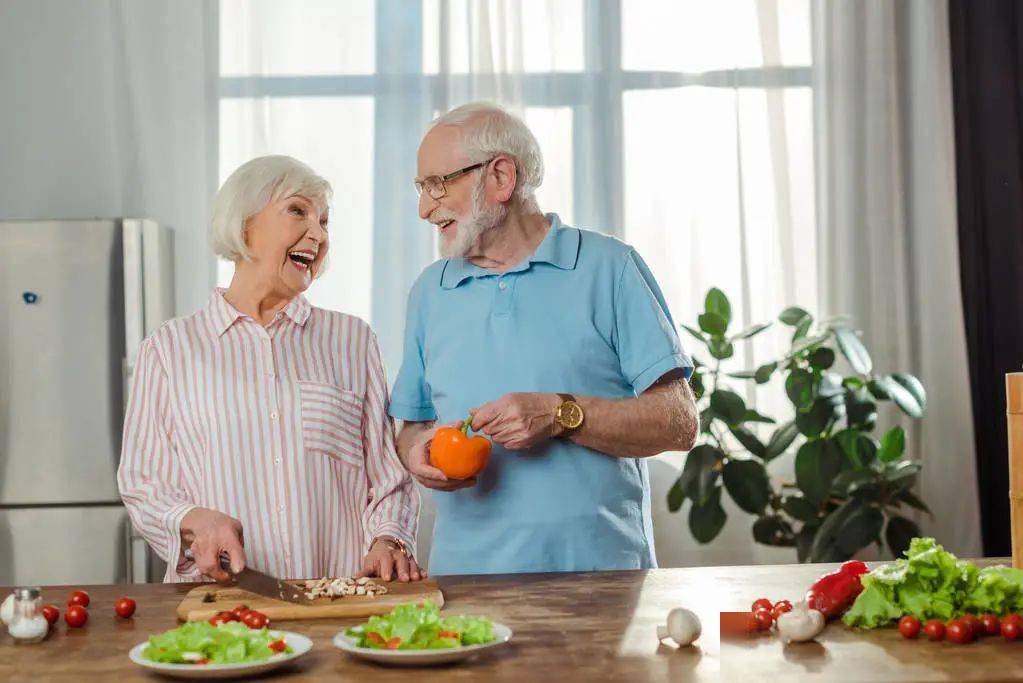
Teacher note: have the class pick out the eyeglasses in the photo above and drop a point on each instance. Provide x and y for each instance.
(436, 185)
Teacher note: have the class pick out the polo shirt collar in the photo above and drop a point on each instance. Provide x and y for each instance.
(559, 248)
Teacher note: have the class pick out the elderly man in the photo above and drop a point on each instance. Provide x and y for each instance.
(557, 341)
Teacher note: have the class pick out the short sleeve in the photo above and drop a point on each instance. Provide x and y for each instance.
(410, 398)
(645, 338)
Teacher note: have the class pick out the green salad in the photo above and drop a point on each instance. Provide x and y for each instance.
(931, 582)
(421, 627)
(200, 642)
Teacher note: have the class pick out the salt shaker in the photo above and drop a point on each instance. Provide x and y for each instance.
(28, 625)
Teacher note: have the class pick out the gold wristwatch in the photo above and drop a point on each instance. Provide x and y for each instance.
(569, 414)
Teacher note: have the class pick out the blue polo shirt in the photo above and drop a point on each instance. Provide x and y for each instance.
(583, 315)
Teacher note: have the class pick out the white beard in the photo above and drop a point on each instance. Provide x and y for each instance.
(470, 228)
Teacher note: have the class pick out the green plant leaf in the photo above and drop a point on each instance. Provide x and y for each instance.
(707, 520)
(699, 473)
(764, 372)
(799, 508)
(854, 350)
(858, 448)
(899, 532)
(781, 440)
(707, 417)
(859, 412)
(676, 496)
(717, 302)
(772, 530)
(742, 374)
(802, 328)
(814, 421)
(713, 324)
(696, 384)
(878, 391)
(749, 440)
(729, 405)
(911, 499)
(830, 385)
(751, 331)
(799, 387)
(902, 475)
(807, 344)
(824, 546)
(906, 391)
(861, 528)
(852, 382)
(893, 445)
(793, 315)
(722, 350)
(818, 462)
(696, 333)
(849, 479)
(747, 484)
(754, 416)
(822, 358)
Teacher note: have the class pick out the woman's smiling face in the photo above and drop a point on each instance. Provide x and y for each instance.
(287, 243)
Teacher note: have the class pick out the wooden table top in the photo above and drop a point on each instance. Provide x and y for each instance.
(592, 627)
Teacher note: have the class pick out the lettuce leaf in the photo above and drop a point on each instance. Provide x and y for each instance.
(228, 643)
(420, 627)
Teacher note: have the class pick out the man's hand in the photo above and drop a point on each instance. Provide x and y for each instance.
(419, 466)
(386, 560)
(208, 533)
(518, 421)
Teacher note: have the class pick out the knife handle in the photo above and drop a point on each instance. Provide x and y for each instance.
(225, 560)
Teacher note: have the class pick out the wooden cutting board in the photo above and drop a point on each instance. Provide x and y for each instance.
(202, 602)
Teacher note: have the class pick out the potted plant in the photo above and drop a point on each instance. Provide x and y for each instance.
(851, 488)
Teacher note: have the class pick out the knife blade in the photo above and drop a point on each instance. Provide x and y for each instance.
(261, 584)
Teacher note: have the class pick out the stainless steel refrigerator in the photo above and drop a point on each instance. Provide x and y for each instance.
(76, 300)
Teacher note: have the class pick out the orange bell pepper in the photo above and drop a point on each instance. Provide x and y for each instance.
(458, 455)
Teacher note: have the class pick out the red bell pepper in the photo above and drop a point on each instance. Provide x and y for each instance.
(835, 592)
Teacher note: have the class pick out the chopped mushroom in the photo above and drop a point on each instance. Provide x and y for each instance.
(342, 587)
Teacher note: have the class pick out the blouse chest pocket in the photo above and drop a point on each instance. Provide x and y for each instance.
(332, 421)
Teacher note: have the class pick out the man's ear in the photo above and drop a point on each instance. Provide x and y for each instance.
(506, 176)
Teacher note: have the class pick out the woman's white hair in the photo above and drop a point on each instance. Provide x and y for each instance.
(488, 129)
(249, 189)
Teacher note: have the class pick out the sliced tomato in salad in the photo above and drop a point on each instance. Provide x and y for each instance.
(449, 634)
(278, 646)
(375, 637)
(393, 643)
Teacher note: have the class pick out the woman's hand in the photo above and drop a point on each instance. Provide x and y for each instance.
(426, 474)
(386, 558)
(209, 533)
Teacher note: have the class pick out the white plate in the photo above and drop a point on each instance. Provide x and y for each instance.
(502, 634)
(299, 643)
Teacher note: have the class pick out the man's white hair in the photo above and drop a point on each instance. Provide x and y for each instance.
(249, 189)
(487, 130)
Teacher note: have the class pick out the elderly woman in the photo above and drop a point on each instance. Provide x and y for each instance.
(257, 427)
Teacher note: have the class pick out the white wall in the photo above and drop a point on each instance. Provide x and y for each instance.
(108, 108)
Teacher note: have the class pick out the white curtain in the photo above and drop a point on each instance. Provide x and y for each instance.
(887, 251)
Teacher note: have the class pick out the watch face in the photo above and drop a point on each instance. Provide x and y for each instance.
(571, 415)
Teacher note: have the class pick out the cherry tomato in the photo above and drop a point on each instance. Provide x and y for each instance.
(124, 607)
(52, 614)
(973, 623)
(909, 626)
(762, 603)
(780, 608)
(76, 616)
(238, 611)
(278, 646)
(764, 619)
(934, 629)
(221, 618)
(78, 598)
(1013, 617)
(255, 620)
(1011, 629)
(991, 625)
(958, 632)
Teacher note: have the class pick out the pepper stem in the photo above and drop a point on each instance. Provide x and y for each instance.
(466, 424)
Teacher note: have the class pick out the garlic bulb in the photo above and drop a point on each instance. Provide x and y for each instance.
(7, 610)
(683, 627)
(800, 624)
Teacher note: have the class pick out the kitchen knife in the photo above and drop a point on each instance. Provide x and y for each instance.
(261, 584)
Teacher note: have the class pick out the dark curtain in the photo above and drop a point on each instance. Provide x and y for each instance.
(987, 76)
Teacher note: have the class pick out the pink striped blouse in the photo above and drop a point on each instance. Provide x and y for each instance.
(284, 428)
